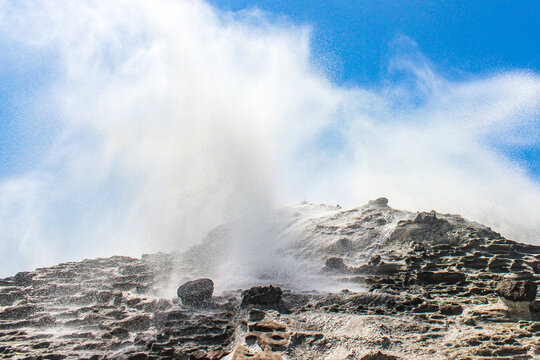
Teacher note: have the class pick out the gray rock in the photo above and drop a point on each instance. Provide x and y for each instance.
(196, 292)
(382, 201)
(335, 264)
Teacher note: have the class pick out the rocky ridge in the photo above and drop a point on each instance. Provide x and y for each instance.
(435, 286)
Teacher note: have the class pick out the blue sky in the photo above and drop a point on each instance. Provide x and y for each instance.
(460, 38)
(353, 39)
(123, 124)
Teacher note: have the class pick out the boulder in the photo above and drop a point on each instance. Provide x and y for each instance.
(379, 356)
(451, 309)
(262, 295)
(335, 264)
(427, 218)
(196, 292)
(516, 288)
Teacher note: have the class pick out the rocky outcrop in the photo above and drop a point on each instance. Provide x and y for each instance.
(410, 282)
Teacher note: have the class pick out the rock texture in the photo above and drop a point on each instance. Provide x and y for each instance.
(196, 292)
(424, 286)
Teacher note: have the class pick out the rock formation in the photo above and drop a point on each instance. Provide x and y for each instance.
(196, 292)
(426, 286)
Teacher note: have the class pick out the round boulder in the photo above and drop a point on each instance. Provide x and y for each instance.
(196, 292)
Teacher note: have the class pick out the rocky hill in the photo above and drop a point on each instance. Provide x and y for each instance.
(366, 283)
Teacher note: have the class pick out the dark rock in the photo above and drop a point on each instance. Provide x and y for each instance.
(138, 356)
(516, 288)
(499, 264)
(534, 327)
(451, 309)
(440, 277)
(136, 323)
(429, 218)
(375, 260)
(119, 332)
(256, 315)
(474, 262)
(335, 264)
(261, 295)
(379, 356)
(18, 312)
(55, 356)
(196, 292)
(23, 278)
(426, 307)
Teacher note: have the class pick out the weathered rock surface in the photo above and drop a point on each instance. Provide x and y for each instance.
(426, 286)
(517, 288)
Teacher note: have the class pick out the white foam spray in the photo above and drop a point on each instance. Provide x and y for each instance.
(175, 117)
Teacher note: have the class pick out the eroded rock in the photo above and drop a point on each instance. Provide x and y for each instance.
(517, 288)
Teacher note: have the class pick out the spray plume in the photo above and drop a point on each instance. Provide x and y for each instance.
(173, 117)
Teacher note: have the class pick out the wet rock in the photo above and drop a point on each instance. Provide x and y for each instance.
(138, 356)
(499, 264)
(440, 277)
(379, 356)
(534, 307)
(474, 262)
(262, 295)
(375, 260)
(18, 312)
(451, 309)
(207, 355)
(335, 264)
(516, 288)
(196, 292)
(429, 218)
(426, 307)
(136, 323)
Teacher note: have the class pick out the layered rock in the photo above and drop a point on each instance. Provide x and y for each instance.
(424, 286)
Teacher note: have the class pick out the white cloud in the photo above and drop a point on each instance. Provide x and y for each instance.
(177, 117)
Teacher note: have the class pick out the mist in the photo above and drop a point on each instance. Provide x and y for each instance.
(172, 117)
